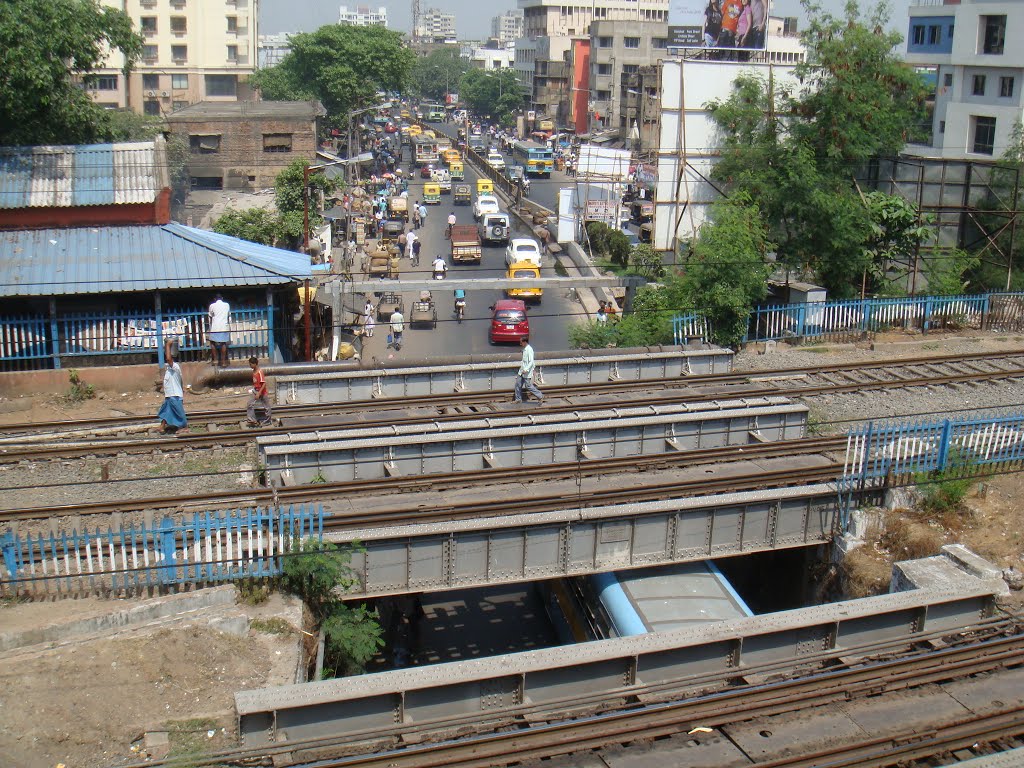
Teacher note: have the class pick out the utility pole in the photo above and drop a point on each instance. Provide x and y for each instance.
(415, 21)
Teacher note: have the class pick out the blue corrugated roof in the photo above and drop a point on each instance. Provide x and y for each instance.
(89, 260)
(75, 175)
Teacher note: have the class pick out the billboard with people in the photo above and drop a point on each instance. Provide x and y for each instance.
(728, 25)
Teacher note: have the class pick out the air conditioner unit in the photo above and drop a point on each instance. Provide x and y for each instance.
(151, 93)
(165, 95)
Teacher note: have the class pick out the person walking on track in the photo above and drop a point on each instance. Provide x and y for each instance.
(524, 378)
(259, 396)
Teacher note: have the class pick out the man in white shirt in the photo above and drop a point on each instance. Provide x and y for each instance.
(397, 327)
(524, 378)
(217, 331)
(440, 268)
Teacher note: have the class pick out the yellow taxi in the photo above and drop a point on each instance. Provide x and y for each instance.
(484, 187)
(415, 130)
(430, 134)
(450, 156)
(525, 270)
(405, 114)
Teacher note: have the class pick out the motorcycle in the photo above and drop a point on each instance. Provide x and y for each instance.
(439, 271)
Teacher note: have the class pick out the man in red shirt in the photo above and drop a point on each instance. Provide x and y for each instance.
(259, 395)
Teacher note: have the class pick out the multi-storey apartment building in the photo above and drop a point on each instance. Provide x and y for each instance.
(436, 26)
(272, 48)
(980, 74)
(552, 81)
(363, 16)
(552, 18)
(193, 50)
(508, 27)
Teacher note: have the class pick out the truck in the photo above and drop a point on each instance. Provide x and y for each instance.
(465, 244)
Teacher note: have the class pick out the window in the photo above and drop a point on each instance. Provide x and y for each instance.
(179, 52)
(221, 85)
(179, 105)
(947, 80)
(950, 30)
(1006, 87)
(630, 69)
(934, 35)
(149, 52)
(148, 25)
(917, 35)
(232, 24)
(604, 42)
(151, 82)
(232, 53)
(101, 83)
(984, 135)
(993, 29)
(604, 69)
(151, 107)
(978, 88)
(942, 126)
(604, 95)
(277, 142)
(204, 144)
(179, 82)
(631, 42)
(179, 25)
(659, 42)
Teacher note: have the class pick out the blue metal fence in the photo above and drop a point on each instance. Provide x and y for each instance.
(38, 341)
(691, 327)
(209, 548)
(856, 317)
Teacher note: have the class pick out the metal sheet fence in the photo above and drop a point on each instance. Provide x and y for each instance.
(37, 341)
(209, 548)
(856, 317)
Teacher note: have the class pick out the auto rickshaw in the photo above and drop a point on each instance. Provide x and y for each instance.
(484, 187)
(432, 194)
(646, 232)
(398, 208)
(383, 263)
(457, 169)
(641, 211)
(462, 194)
(390, 231)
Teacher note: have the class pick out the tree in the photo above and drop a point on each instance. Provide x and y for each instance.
(646, 261)
(258, 225)
(438, 72)
(46, 47)
(897, 230)
(343, 66)
(727, 269)
(290, 198)
(796, 153)
(494, 93)
(316, 571)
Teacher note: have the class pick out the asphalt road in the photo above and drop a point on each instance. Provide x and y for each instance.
(549, 321)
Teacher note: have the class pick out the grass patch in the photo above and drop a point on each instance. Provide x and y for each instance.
(909, 539)
(816, 350)
(272, 626)
(931, 345)
(253, 591)
(78, 391)
(190, 739)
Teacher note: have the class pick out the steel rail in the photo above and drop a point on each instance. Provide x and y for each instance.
(667, 717)
(464, 398)
(14, 452)
(448, 480)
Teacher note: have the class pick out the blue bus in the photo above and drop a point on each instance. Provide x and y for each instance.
(535, 159)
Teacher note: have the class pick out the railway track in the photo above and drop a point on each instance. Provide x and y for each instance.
(402, 486)
(498, 740)
(16, 444)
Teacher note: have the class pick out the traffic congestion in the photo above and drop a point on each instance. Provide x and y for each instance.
(439, 217)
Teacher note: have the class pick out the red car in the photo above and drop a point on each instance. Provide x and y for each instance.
(509, 322)
(425, 171)
(390, 128)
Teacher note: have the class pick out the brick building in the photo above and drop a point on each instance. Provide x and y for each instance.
(244, 145)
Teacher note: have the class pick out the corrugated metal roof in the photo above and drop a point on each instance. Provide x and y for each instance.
(235, 110)
(77, 175)
(90, 260)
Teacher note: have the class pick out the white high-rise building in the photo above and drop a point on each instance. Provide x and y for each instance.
(508, 27)
(436, 25)
(980, 73)
(192, 51)
(363, 16)
(552, 18)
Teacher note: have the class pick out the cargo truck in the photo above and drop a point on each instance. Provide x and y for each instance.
(465, 244)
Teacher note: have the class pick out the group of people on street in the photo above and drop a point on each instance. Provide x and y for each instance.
(172, 414)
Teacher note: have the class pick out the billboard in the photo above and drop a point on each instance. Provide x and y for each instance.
(727, 25)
